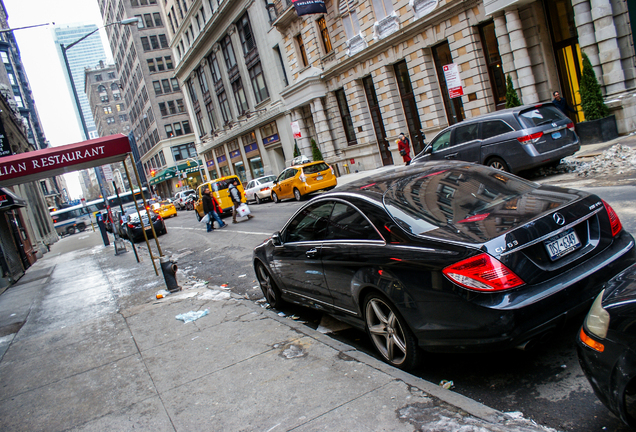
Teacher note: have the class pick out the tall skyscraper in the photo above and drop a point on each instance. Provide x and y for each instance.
(87, 53)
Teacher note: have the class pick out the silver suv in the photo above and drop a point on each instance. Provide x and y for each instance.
(180, 198)
(513, 140)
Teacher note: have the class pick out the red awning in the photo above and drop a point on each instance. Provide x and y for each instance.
(36, 165)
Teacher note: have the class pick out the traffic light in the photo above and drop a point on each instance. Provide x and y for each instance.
(188, 163)
(152, 173)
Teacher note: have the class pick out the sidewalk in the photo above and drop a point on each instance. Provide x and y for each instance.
(85, 346)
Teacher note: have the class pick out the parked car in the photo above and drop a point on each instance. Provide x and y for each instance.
(512, 140)
(133, 231)
(180, 198)
(607, 346)
(259, 189)
(446, 256)
(219, 189)
(300, 180)
(164, 208)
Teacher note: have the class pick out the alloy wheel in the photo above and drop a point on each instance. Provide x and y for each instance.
(268, 286)
(297, 195)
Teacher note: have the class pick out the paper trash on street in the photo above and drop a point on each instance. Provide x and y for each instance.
(192, 315)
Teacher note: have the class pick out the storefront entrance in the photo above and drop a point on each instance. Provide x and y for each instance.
(567, 52)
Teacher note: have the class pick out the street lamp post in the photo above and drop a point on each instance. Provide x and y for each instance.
(63, 48)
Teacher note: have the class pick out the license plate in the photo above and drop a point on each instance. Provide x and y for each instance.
(319, 178)
(556, 135)
(562, 244)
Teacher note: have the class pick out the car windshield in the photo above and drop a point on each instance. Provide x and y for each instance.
(545, 114)
(429, 200)
(220, 185)
(312, 169)
(267, 179)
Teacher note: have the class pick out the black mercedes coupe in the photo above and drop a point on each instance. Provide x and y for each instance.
(446, 256)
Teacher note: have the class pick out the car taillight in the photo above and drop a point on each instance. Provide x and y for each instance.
(571, 126)
(265, 189)
(130, 225)
(483, 273)
(532, 137)
(615, 222)
(331, 168)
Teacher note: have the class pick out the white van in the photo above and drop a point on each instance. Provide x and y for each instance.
(179, 198)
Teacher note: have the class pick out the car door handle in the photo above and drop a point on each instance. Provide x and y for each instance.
(311, 253)
(450, 156)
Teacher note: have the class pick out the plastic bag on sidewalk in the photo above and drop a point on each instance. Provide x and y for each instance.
(205, 219)
(192, 316)
(243, 210)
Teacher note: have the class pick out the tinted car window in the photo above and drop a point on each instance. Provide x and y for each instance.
(219, 185)
(312, 169)
(267, 179)
(347, 223)
(250, 185)
(466, 133)
(539, 116)
(291, 173)
(310, 224)
(281, 176)
(442, 141)
(493, 128)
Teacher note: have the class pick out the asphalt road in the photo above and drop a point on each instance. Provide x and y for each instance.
(546, 384)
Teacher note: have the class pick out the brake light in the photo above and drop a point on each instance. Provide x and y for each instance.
(331, 168)
(615, 222)
(571, 126)
(130, 225)
(532, 137)
(483, 273)
(265, 189)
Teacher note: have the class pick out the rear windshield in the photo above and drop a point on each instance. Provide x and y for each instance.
(312, 169)
(220, 185)
(545, 114)
(429, 200)
(267, 179)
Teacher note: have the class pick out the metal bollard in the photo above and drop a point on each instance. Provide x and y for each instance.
(169, 270)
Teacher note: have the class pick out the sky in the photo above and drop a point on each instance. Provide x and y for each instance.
(44, 69)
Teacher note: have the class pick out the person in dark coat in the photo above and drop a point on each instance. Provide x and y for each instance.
(404, 146)
(561, 103)
(212, 208)
(237, 199)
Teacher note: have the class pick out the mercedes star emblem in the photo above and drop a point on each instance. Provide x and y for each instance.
(558, 218)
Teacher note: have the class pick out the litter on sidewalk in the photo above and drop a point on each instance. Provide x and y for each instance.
(192, 315)
(162, 293)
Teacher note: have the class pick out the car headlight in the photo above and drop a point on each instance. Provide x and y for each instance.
(598, 319)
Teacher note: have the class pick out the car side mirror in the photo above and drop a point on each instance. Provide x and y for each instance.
(428, 149)
(276, 241)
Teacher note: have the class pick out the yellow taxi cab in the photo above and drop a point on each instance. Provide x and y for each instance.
(165, 208)
(304, 179)
(219, 189)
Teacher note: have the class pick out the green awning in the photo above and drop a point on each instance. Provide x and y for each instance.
(184, 168)
(163, 175)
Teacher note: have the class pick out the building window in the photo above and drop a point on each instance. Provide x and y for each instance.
(123, 117)
(214, 68)
(324, 35)
(110, 120)
(104, 99)
(169, 132)
(245, 34)
(166, 85)
(151, 65)
(202, 10)
(180, 106)
(225, 107)
(202, 81)
(98, 77)
(162, 109)
(239, 95)
(157, 17)
(108, 110)
(184, 151)
(258, 83)
(199, 116)
(282, 64)
(175, 84)
(171, 107)
(382, 8)
(228, 52)
(177, 129)
(301, 51)
(148, 20)
(169, 64)
(145, 43)
(157, 86)
(154, 42)
(349, 18)
(191, 91)
(493, 61)
(186, 127)
(343, 106)
(164, 41)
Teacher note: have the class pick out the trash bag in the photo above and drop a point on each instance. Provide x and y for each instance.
(192, 316)
(205, 219)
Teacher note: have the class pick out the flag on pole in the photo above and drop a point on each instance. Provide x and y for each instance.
(307, 7)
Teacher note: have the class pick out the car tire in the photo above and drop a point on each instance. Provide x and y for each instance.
(389, 333)
(275, 198)
(81, 227)
(498, 163)
(297, 195)
(270, 290)
(198, 217)
(70, 231)
(257, 199)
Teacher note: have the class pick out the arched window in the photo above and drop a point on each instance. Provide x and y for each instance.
(101, 89)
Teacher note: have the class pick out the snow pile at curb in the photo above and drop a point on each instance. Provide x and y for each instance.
(617, 159)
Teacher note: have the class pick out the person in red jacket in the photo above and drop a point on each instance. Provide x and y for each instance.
(404, 146)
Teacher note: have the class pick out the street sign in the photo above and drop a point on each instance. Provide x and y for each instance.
(296, 129)
(453, 81)
(108, 173)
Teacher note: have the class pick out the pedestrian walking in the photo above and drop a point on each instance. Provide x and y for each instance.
(212, 208)
(236, 197)
(404, 146)
(561, 103)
